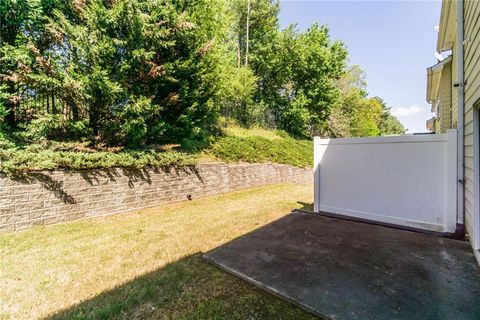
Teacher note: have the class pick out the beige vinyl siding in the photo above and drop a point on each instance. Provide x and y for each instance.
(454, 90)
(472, 95)
(438, 125)
(445, 110)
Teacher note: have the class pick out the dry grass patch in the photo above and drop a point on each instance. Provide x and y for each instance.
(255, 132)
(144, 264)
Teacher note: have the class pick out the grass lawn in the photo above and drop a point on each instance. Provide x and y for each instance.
(237, 131)
(144, 264)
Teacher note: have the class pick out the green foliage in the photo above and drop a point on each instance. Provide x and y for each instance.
(389, 124)
(295, 71)
(365, 116)
(282, 133)
(238, 85)
(263, 30)
(14, 161)
(356, 115)
(239, 145)
(53, 127)
(298, 84)
(147, 71)
(258, 149)
(140, 73)
(3, 111)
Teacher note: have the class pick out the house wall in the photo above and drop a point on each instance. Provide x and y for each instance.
(49, 197)
(454, 90)
(445, 110)
(437, 125)
(472, 96)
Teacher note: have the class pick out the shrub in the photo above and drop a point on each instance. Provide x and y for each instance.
(54, 127)
(257, 149)
(50, 155)
(282, 134)
(14, 161)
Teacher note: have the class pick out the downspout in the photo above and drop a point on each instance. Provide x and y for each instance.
(460, 121)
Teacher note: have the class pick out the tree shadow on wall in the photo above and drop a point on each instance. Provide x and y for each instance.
(93, 177)
(97, 177)
(48, 183)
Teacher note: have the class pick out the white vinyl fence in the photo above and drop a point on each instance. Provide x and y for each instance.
(406, 180)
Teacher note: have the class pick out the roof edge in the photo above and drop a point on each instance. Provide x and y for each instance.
(433, 78)
(446, 26)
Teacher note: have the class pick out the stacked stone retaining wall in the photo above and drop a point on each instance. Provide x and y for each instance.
(48, 197)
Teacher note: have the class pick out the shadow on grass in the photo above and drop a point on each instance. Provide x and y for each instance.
(189, 289)
(306, 206)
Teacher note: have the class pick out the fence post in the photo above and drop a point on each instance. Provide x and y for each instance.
(316, 173)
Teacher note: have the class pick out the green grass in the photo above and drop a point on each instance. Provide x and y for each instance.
(236, 145)
(144, 264)
(17, 160)
(258, 149)
(238, 131)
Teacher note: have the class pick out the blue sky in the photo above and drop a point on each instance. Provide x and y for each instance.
(393, 42)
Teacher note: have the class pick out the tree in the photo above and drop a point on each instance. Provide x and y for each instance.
(21, 26)
(140, 72)
(254, 29)
(146, 70)
(300, 82)
(255, 24)
(357, 115)
(366, 117)
(389, 124)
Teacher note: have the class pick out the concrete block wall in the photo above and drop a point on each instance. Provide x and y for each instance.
(48, 197)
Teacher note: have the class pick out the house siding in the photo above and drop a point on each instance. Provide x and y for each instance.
(445, 110)
(453, 89)
(472, 96)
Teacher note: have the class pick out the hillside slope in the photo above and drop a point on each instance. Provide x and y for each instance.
(235, 145)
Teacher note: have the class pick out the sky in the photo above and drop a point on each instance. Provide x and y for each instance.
(392, 41)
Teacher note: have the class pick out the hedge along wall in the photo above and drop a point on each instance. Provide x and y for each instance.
(48, 197)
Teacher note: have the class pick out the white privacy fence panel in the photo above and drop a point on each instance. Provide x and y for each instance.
(405, 180)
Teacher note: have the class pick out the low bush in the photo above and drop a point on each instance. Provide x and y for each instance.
(54, 127)
(258, 149)
(247, 146)
(14, 161)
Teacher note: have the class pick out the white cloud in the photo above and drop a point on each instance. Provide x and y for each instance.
(406, 112)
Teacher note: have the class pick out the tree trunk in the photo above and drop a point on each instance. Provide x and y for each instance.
(93, 119)
(10, 106)
(75, 114)
(239, 55)
(247, 44)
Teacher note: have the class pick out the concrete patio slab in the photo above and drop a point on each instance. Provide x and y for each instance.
(341, 269)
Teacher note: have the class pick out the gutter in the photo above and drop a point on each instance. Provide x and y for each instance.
(460, 85)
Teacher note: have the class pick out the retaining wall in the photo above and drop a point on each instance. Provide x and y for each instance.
(48, 197)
